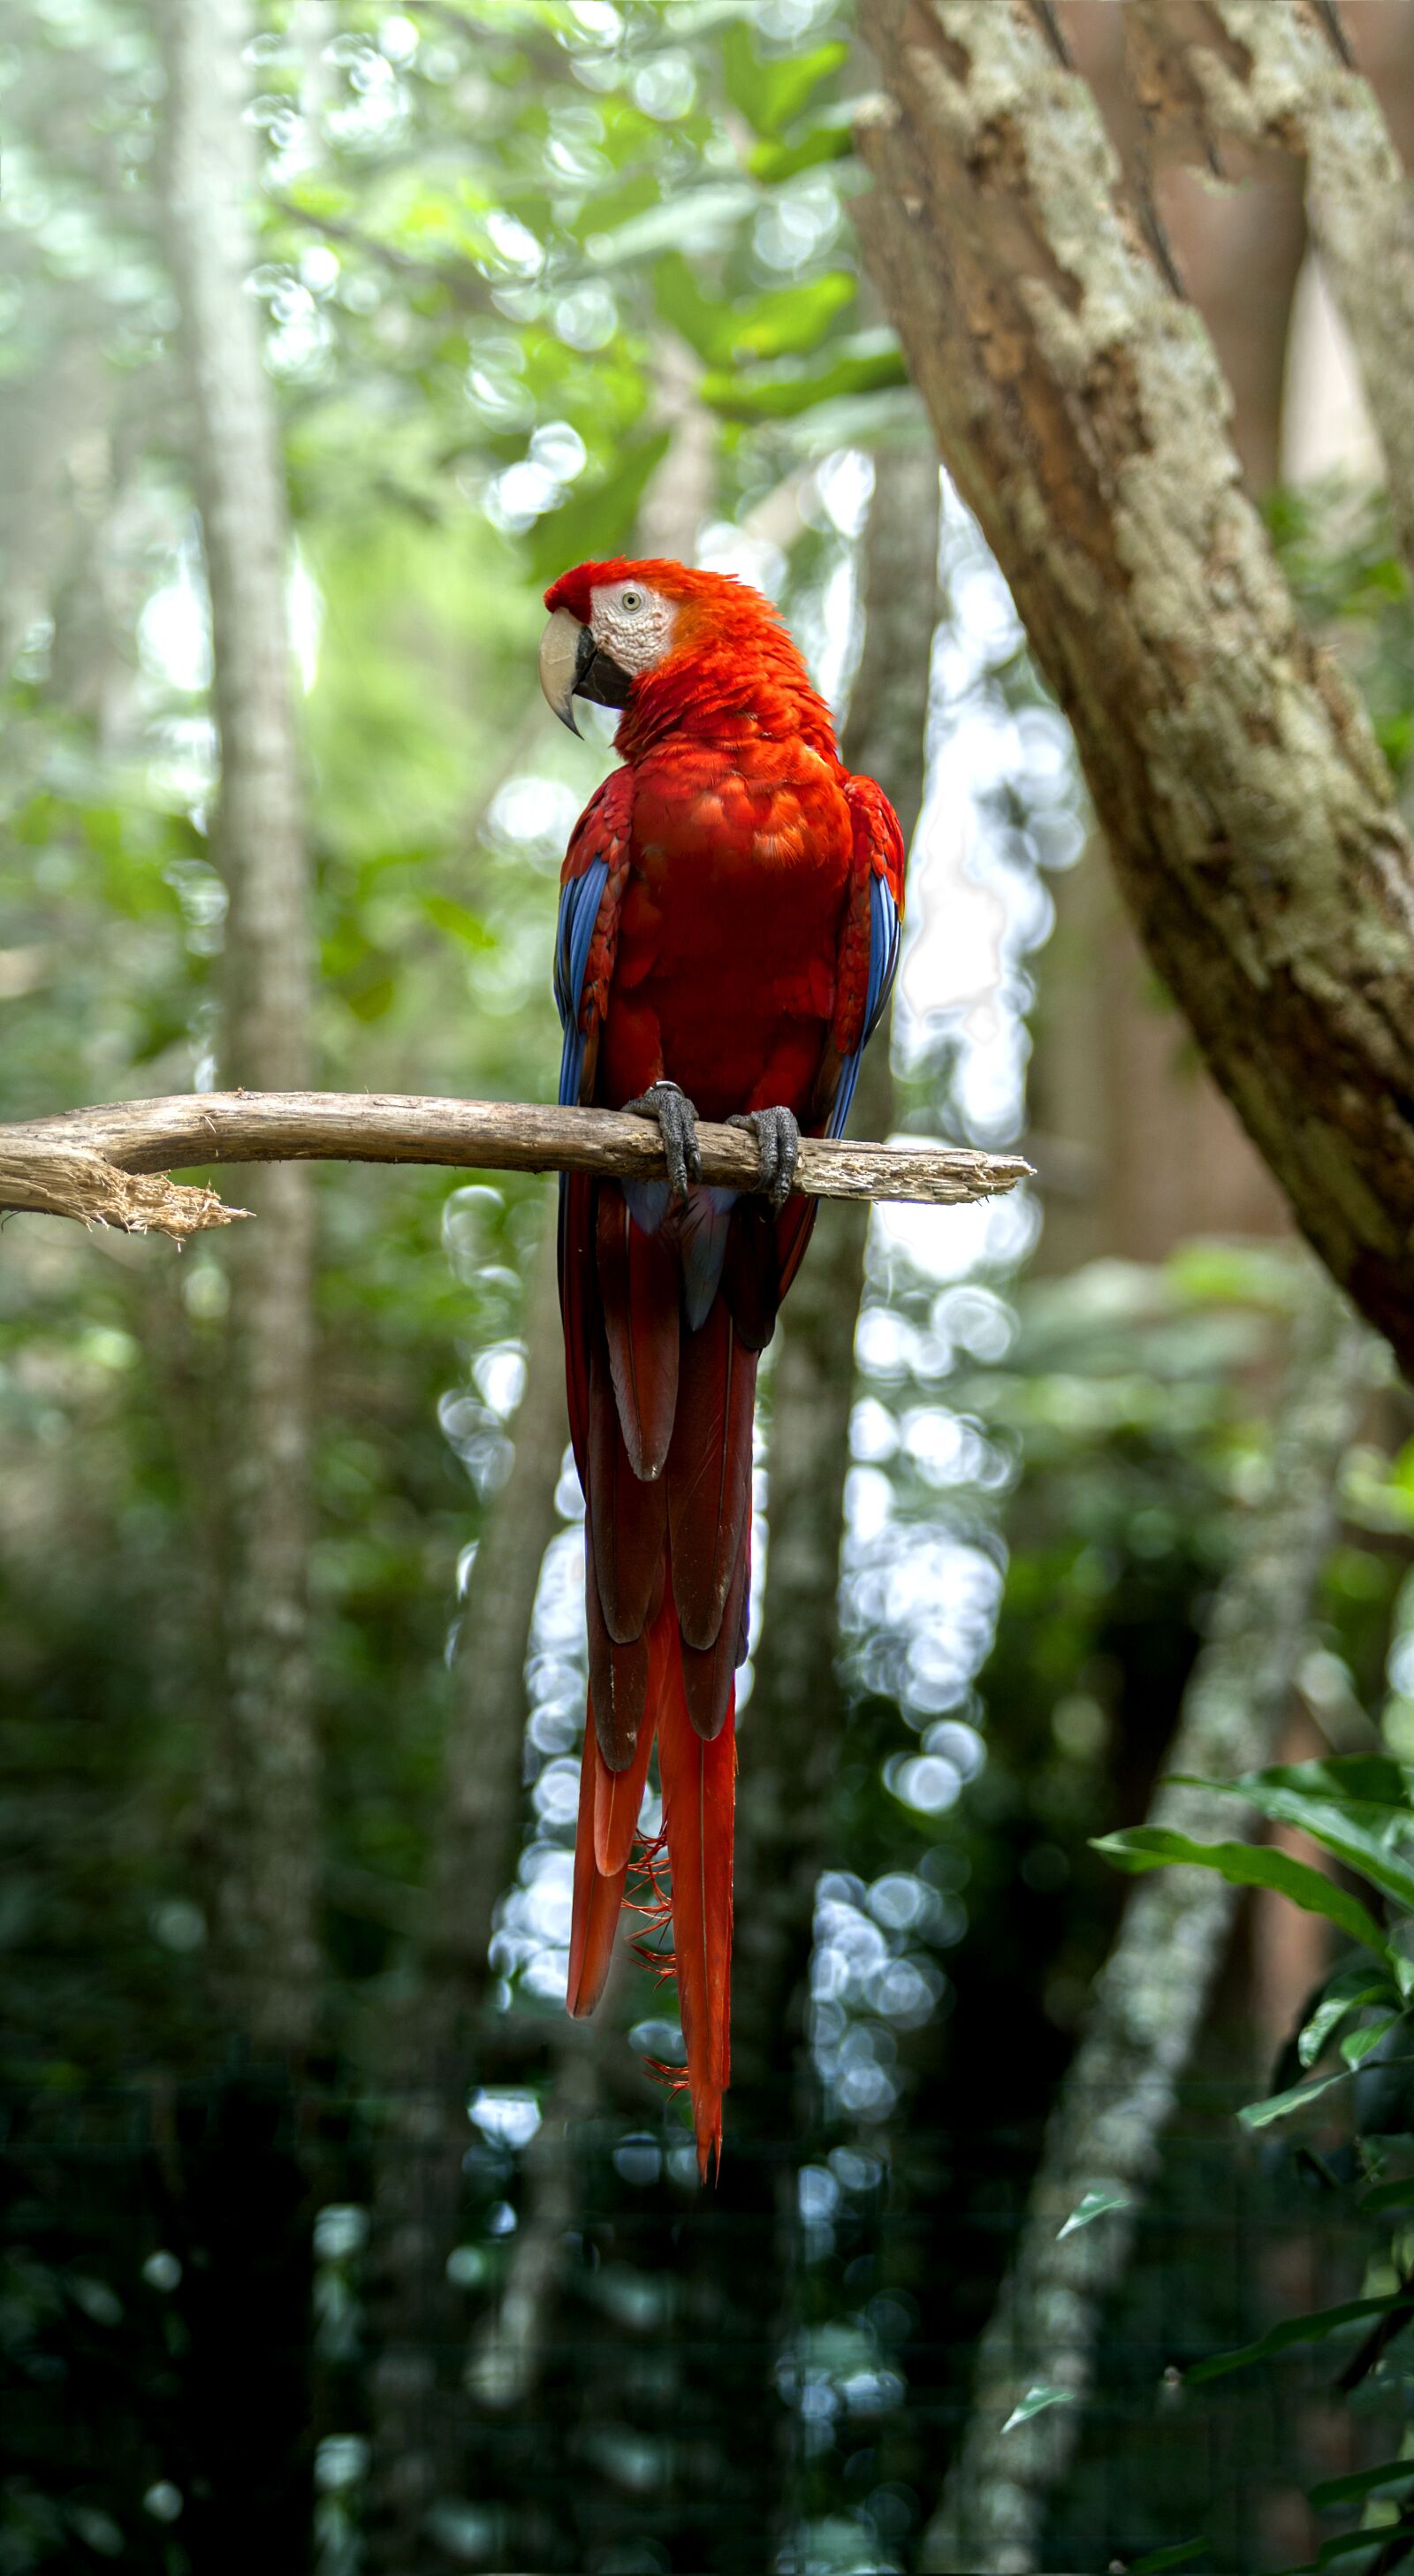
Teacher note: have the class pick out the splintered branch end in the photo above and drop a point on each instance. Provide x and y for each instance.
(75, 1181)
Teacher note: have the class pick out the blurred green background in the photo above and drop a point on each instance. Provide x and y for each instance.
(433, 2285)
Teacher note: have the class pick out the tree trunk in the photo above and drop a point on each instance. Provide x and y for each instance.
(1152, 1998)
(430, 2049)
(248, 2279)
(266, 1788)
(419, 2416)
(1078, 404)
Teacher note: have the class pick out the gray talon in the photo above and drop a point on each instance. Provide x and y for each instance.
(777, 1137)
(677, 1125)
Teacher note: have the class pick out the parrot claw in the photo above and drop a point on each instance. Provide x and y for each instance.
(777, 1135)
(677, 1125)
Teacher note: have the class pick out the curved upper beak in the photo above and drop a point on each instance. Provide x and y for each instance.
(566, 650)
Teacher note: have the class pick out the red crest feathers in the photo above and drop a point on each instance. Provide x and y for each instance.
(722, 592)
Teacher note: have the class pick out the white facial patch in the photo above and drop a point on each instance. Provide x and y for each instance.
(632, 624)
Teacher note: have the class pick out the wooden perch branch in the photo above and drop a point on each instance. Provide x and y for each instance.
(109, 1166)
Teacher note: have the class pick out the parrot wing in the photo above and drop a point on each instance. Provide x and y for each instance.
(869, 948)
(592, 883)
(865, 967)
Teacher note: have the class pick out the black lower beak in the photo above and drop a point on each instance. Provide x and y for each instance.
(597, 676)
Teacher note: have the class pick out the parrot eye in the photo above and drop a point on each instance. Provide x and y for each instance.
(631, 600)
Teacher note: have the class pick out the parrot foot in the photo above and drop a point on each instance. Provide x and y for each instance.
(777, 1135)
(677, 1125)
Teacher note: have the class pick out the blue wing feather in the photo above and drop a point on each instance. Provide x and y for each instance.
(579, 910)
(884, 940)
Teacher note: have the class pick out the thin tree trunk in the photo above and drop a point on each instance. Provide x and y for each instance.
(418, 2415)
(418, 2168)
(265, 1768)
(1077, 402)
(479, 1817)
(1151, 2000)
(245, 2200)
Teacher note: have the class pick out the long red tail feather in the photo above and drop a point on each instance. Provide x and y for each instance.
(664, 1444)
(598, 1896)
(699, 1801)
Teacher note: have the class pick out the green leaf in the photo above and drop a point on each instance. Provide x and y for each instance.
(703, 322)
(705, 218)
(1096, 2204)
(1401, 1957)
(456, 918)
(1355, 1804)
(791, 319)
(1357, 2044)
(788, 320)
(1353, 2489)
(1360, 1777)
(1312, 2328)
(863, 364)
(831, 140)
(597, 522)
(373, 998)
(1354, 1986)
(1142, 1847)
(1279, 2106)
(772, 94)
(1388, 2195)
(1035, 2402)
(1178, 2556)
(1377, 2538)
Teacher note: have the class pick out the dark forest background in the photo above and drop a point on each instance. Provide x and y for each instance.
(329, 335)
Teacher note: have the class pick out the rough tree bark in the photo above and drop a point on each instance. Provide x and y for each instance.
(1276, 76)
(1152, 1997)
(266, 1774)
(1077, 402)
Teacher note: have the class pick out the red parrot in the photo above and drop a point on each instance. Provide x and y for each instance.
(728, 934)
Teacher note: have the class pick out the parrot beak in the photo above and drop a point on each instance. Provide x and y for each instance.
(566, 651)
(572, 666)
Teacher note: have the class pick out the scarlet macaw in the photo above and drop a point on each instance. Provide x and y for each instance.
(728, 935)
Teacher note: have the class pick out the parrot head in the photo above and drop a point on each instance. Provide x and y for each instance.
(623, 633)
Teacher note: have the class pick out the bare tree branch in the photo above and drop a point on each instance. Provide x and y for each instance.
(1276, 75)
(1079, 407)
(1153, 1995)
(81, 1163)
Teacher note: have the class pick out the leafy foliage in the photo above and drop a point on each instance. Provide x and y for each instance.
(1358, 1808)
